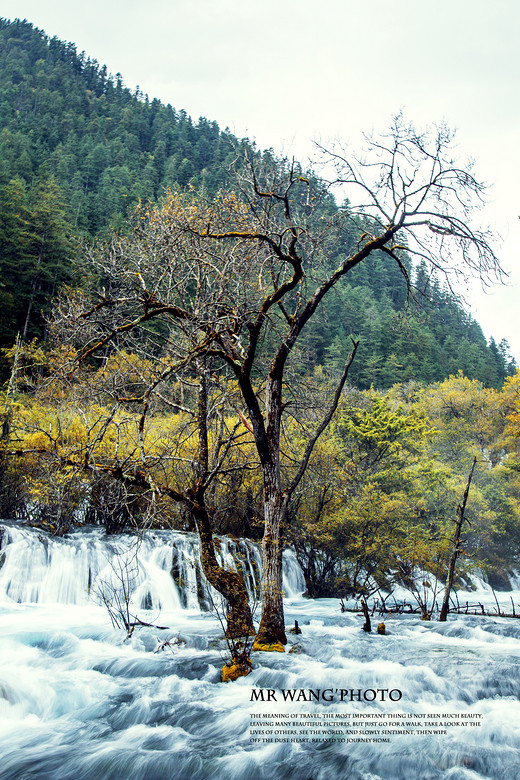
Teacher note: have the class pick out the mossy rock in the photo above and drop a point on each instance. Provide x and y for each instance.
(232, 671)
(269, 647)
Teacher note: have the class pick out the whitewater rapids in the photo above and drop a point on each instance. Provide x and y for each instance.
(80, 702)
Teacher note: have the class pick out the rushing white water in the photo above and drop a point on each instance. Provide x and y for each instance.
(162, 568)
(80, 702)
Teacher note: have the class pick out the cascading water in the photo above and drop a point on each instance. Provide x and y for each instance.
(162, 568)
(81, 701)
(293, 579)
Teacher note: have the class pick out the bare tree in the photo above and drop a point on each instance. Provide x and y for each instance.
(409, 183)
(457, 546)
(410, 198)
(235, 281)
(149, 455)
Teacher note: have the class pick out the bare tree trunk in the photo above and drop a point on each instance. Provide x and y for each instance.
(33, 293)
(7, 419)
(230, 584)
(272, 624)
(276, 498)
(456, 546)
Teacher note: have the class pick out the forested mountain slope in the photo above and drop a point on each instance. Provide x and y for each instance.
(78, 150)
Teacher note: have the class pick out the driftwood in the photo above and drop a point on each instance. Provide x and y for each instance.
(138, 622)
(406, 608)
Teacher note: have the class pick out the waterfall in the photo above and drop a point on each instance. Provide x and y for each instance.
(293, 579)
(161, 569)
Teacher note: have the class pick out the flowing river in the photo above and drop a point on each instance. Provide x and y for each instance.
(81, 701)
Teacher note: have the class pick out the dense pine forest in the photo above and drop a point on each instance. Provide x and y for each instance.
(85, 162)
(79, 150)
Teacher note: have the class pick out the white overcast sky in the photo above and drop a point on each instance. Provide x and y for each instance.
(285, 72)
